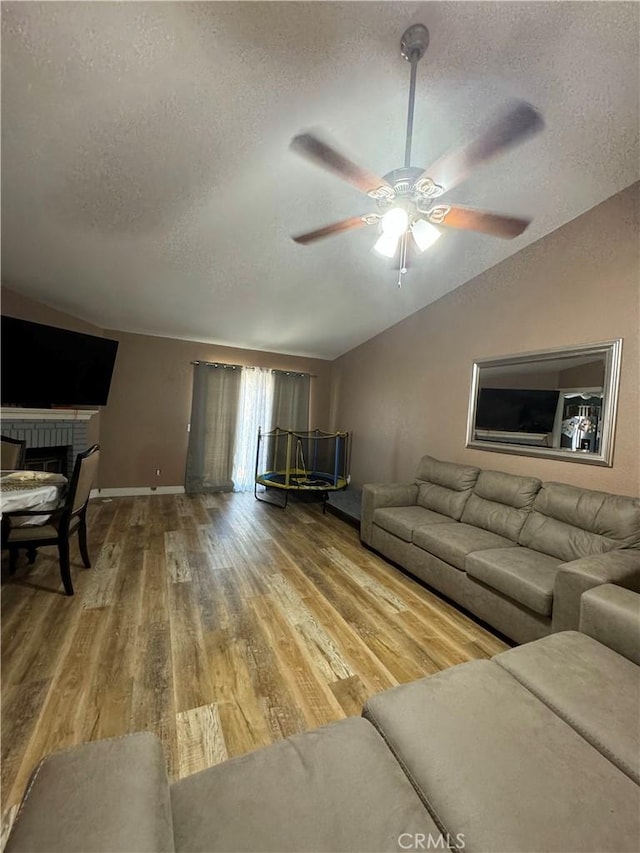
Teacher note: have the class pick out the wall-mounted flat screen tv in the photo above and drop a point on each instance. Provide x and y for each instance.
(43, 366)
(516, 409)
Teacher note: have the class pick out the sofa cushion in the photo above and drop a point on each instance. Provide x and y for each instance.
(521, 574)
(402, 520)
(448, 474)
(452, 542)
(110, 796)
(569, 523)
(590, 686)
(495, 763)
(334, 788)
(444, 486)
(501, 503)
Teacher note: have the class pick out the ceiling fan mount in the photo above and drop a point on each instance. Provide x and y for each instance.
(414, 42)
(405, 196)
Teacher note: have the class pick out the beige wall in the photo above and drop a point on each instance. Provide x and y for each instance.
(15, 305)
(585, 376)
(405, 392)
(542, 381)
(589, 375)
(144, 427)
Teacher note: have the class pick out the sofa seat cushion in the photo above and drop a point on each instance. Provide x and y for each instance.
(591, 687)
(495, 763)
(109, 796)
(524, 575)
(40, 531)
(403, 520)
(332, 789)
(452, 542)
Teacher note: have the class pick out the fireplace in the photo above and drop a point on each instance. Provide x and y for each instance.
(53, 437)
(53, 460)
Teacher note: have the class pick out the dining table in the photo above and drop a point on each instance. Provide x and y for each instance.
(31, 490)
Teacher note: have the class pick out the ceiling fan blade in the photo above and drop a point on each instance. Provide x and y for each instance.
(324, 155)
(520, 121)
(337, 228)
(455, 216)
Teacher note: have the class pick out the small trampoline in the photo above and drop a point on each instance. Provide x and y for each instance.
(312, 462)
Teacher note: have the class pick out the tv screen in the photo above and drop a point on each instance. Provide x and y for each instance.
(516, 409)
(43, 366)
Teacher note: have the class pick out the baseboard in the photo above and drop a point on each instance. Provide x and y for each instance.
(137, 490)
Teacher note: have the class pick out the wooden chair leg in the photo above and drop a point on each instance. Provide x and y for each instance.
(65, 569)
(82, 542)
(32, 553)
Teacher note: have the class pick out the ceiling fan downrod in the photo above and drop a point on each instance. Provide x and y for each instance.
(413, 46)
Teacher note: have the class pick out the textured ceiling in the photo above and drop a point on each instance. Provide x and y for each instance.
(147, 183)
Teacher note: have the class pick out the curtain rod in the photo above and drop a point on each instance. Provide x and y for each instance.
(247, 367)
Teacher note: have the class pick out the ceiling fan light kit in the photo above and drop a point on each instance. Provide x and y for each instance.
(404, 197)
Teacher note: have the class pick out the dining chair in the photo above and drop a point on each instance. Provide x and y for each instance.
(13, 451)
(59, 525)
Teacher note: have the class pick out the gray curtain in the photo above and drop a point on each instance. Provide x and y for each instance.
(214, 413)
(291, 400)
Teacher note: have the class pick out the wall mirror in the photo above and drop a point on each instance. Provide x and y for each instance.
(558, 403)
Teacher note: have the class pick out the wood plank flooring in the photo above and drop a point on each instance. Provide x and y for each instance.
(218, 622)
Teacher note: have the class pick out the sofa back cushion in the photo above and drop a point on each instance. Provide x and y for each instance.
(569, 523)
(501, 503)
(444, 486)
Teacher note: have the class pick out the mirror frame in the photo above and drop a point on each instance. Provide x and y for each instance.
(612, 352)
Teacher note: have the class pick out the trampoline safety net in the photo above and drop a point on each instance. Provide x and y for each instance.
(302, 461)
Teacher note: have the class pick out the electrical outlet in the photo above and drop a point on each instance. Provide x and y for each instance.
(157, 472)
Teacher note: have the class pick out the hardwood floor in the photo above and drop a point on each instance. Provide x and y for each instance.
(218, 622)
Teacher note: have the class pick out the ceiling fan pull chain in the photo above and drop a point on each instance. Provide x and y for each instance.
(403, 257)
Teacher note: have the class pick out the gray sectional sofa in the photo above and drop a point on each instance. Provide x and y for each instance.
(514, 551)
(536, 750)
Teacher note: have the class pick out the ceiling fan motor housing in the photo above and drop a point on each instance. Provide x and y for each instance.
(409, 191)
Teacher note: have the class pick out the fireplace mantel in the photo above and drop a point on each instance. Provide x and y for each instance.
(9, 413)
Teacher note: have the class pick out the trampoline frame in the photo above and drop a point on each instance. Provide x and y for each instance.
(340, 478)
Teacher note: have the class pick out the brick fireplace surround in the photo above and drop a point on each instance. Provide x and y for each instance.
(44, 428)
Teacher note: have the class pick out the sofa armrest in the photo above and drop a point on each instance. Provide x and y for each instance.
(621, 567)
(611, 615)
(108, 796)
(375, 495)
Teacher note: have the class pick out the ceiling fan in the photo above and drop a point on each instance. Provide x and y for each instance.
(405, 197)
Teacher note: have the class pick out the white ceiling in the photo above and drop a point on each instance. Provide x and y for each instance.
(147, 183)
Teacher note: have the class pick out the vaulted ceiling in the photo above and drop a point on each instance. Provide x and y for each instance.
(147, 183)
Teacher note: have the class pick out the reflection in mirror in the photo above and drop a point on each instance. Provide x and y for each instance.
(559, 403)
